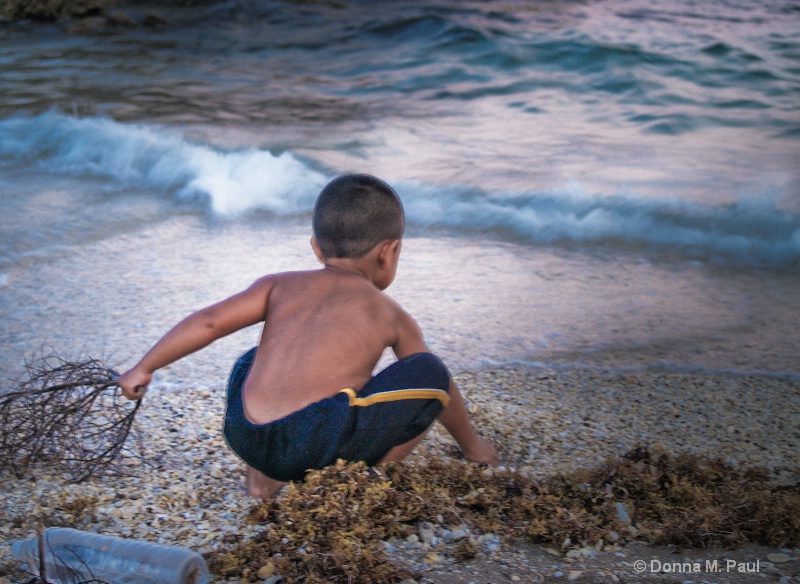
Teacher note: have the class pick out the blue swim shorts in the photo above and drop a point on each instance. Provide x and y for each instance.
(395, 406)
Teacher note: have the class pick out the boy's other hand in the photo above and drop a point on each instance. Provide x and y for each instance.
(483, 453)
(134, 383)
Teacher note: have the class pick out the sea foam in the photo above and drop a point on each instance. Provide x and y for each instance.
(153, 157)
(752, 231)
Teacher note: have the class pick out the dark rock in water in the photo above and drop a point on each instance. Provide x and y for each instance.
(88, 25)
(154, 21)
(88, 16)
(171, 2)
(100, 24)
(84, 8)
(35, 9)
(52, 9)
(91, 11)
(120, 19)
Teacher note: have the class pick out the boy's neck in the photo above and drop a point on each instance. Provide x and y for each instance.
(346, 266)
(377, 267)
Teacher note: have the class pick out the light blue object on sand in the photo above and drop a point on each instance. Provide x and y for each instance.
(72, 555)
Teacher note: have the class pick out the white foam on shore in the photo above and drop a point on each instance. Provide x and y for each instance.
(153, 157)
(752, 231)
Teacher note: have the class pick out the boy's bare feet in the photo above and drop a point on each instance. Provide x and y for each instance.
(483, 453)
(261, 486)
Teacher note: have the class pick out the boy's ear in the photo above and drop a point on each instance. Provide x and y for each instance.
(388, 248)
(317, 250)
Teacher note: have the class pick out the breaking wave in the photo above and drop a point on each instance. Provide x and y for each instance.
(231, 182)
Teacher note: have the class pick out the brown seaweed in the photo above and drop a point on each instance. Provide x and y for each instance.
(331, 528)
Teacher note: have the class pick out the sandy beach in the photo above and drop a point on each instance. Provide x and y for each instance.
(564, 410)
(544, 421)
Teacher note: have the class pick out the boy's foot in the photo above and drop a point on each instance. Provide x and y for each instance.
(483, 453)
(261, 486)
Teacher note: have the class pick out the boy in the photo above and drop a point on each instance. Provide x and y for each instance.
(305, 396)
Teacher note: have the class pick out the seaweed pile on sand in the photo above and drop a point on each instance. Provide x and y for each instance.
(331, 528)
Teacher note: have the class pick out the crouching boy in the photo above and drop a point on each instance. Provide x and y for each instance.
(306, 396)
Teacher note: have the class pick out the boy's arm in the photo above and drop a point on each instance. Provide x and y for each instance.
(197, 331)
(454, 418)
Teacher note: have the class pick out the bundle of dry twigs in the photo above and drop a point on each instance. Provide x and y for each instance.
(68, 415)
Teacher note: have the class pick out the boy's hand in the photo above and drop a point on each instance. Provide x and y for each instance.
(483, 453)
(134, 383)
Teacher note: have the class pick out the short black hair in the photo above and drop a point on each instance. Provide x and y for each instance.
(354, 213)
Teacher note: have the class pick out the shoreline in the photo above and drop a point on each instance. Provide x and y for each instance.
(543, 422)
(489, 302)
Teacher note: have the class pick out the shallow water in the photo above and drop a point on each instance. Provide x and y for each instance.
(613, 183)
(478, 302)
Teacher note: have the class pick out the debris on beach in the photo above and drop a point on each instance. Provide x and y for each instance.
(560, 434)
(339, 524)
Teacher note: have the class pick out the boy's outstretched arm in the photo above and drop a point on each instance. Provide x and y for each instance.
(197, 331)
(455, 417)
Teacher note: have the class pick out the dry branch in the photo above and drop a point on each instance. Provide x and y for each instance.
(68, 415)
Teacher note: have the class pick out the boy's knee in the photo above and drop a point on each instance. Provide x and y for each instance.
(435, 370)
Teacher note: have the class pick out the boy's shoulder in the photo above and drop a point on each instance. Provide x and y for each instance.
(277, 278)
(287, 276)
(306, 282)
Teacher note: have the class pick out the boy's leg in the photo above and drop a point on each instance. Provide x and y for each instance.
(398, 453)
(455, 420)
(260, 485)
(399, 404)
(426, 370)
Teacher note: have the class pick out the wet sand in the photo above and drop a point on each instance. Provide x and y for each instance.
(478, 303)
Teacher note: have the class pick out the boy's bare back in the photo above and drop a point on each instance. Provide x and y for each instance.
(325, 330)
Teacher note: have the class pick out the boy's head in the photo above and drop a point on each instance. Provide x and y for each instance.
(354, 213)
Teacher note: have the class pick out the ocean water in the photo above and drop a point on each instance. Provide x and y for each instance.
(611, 183)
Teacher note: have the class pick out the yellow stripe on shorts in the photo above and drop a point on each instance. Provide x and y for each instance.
(396, 395)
